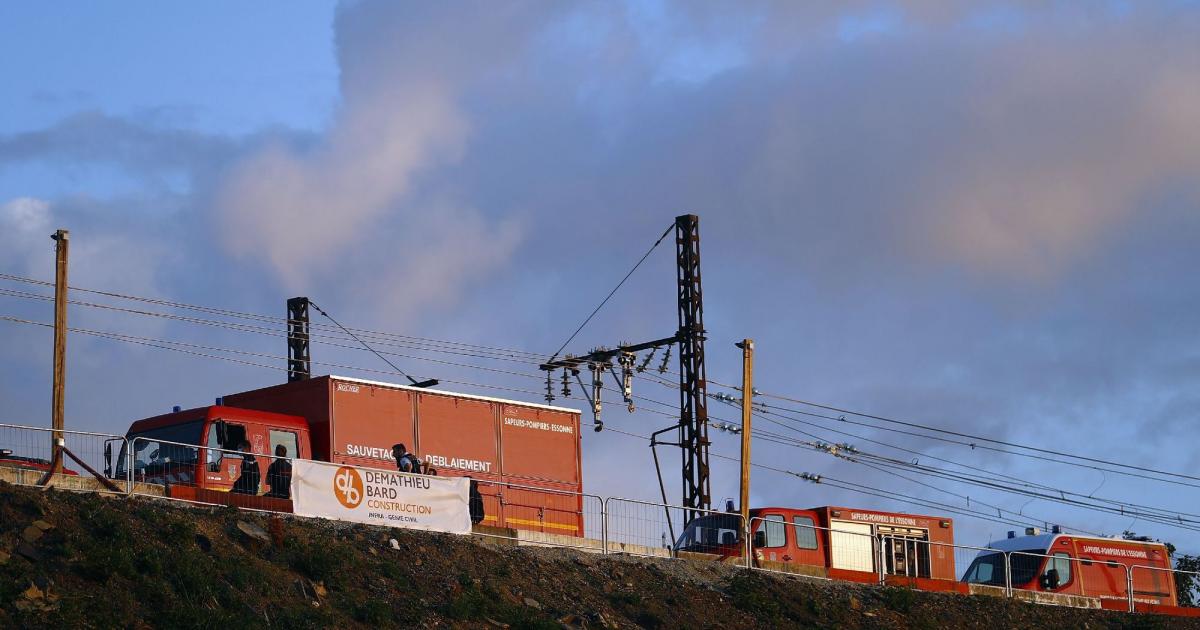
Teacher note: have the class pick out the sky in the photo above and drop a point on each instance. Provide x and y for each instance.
(975, 216)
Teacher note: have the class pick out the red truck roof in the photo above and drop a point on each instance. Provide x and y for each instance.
(214, 412)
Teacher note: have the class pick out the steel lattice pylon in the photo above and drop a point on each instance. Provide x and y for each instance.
(693, 399)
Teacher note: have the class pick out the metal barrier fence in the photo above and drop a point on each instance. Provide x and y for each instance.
(543, 516)
(211, 476)
(1064, 574)
(1157, 586)
(550, 517)
(905, 557)
(644, 528)
(27, 454)
(801, 547)
(982, 566)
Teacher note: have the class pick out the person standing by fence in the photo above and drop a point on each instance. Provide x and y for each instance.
(247, 483)
(406, 461)
(279, 475)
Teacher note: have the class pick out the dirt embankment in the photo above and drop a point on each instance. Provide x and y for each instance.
(79, 560)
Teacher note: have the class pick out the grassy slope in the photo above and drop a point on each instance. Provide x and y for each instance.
(115, 562)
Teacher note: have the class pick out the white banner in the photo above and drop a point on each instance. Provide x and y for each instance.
(380, 497)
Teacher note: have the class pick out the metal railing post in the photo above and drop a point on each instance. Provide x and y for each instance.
(880, 557)
(1129, 588)
(603, 526)
(128, 452)
(1008, 588)
(604, 513)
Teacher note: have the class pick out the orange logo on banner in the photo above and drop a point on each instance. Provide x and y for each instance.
(348, 487)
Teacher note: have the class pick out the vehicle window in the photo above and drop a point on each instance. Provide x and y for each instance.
(1025, 565)
(776, 529)
(164, 447)
(707, 532)
(1062, 562)
(213, 457)
(980, 572)
(287, 439)
(235, 434)
(987, 569)
(806, 536)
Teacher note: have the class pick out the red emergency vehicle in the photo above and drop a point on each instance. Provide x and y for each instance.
(9, 460)
(526, 456)
(1075, 564)
(835, 542)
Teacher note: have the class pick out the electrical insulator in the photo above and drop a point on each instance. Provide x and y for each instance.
(626, 362)
(566, 384)
(549, 388)
(647, 360)
(666, 359)
(597, 388)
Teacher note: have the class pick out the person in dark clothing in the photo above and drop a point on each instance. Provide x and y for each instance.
(405, 461)
(475, 503)
(247, 483)
(279, 475)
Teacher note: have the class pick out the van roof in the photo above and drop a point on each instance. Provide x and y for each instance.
(1044, 542)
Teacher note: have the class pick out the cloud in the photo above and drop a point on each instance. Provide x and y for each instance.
(401, 117)
(979, 216)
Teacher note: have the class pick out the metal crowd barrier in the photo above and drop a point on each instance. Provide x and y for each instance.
(645, 528)
(1147, 582)
(1064, 570)
(561, 518)
(162, 468)
(542, 516)
(28, 453)
(795, 548)
(985, 574)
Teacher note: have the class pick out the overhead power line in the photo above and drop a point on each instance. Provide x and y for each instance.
(192, 349)
(445, 346)
(982, 438)
(426, 383)
(525, 355)
(613, 292)
(1096, 463)
(1174, 518)
(857, 488)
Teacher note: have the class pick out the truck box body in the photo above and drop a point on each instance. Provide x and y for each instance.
(906, 538)
(356, 421)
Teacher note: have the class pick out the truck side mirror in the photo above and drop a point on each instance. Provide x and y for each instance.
(108, 460)
(222, 433)
(1050, 579)
(760, 539)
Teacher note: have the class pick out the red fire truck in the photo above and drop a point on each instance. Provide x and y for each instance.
(525, 456)
(1075, 564)
(835, 542)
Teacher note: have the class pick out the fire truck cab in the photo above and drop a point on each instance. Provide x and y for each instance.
(1074, 564)
(192, 450)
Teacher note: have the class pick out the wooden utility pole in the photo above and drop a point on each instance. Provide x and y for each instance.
(62, 241)
(747, 346)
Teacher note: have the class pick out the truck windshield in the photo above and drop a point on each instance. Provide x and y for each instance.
(989, 568)
(707, 532)
(151, 450)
